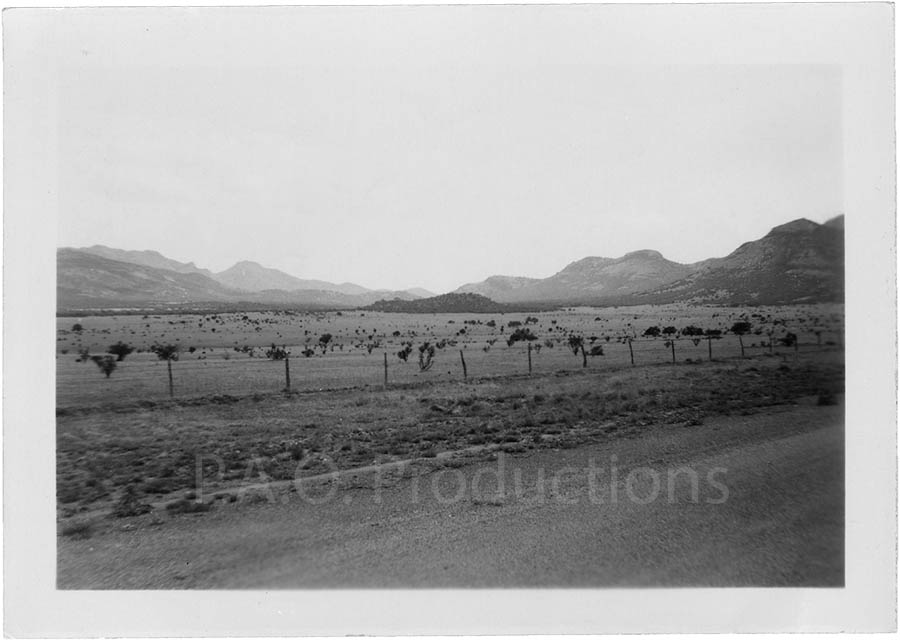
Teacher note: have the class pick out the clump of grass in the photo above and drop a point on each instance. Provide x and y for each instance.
(68, 493)
(78, 529)
(187, 506)
(130, 504)
(159, 485)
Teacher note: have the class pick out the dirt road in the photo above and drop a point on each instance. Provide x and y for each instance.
(738, 501)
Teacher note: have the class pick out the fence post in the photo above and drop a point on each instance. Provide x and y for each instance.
(630, 351)
(287, 374)
(709, 346)
(583, 356)
(672, 345)
(171, 384)
(529, 359)
(463, 359)
(385, 371)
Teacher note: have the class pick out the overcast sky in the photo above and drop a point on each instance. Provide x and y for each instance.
(427, 149)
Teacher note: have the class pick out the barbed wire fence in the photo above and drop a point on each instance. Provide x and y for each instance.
(233, 374)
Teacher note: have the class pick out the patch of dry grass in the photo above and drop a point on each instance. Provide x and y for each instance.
(279, 437)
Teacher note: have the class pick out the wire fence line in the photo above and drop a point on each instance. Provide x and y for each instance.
(144, 377)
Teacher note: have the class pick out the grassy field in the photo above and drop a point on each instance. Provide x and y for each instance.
(153, 447)
(225, 353)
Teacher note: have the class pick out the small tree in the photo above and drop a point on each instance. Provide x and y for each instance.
(77, 327)
(740, 329)
(788, 340)
(120, 350)
(669, 331)
(521, 334)
(404, 353)
(107, 364)
(277, 353)
(426, 356)
(652, 332)
(576, 344)
(324, 339)
(84, 355)
(167, 353)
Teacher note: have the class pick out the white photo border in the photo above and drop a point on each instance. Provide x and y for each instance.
(856, 36)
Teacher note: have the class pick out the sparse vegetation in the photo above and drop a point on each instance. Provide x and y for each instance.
(354, 427)
(426, 356)
(277, 353)
(521, 334)
(167, 353)
(120, 350)
(106, 364)
(130, 504)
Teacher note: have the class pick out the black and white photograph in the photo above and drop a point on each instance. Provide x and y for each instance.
(553, 299)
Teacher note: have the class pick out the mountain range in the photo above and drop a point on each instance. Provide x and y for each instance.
(103, 277)
(800, 261)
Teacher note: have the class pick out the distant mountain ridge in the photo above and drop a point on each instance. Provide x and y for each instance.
(147, 257)
(798, 262)
(246, 281)
(88, 280)
(497, 288)
(250, 276)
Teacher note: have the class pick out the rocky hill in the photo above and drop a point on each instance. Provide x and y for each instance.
(147, 257)
(798, 262)
(250, 276)
(498, 288)
(87, 280)
(443, 304)
(586, 280)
